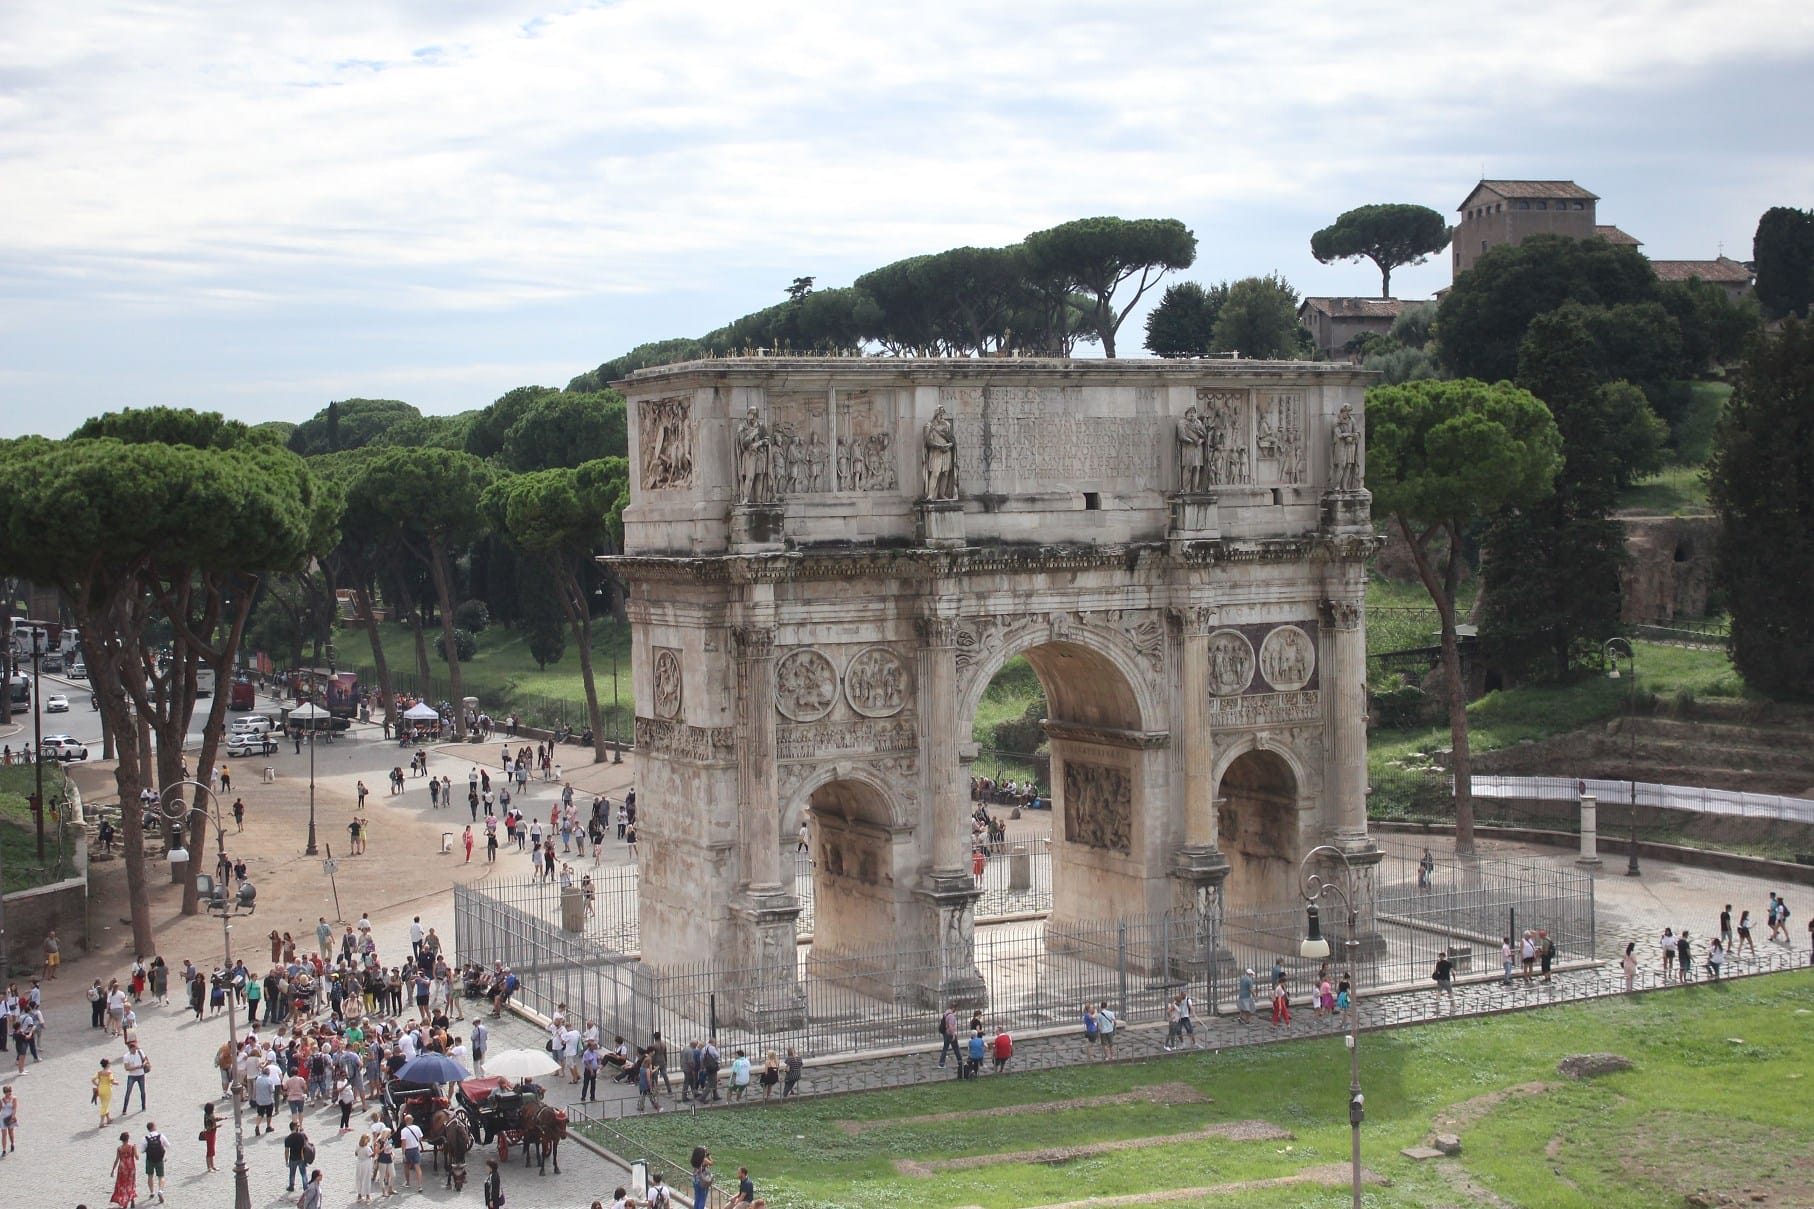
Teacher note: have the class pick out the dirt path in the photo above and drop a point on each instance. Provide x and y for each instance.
(1231, 1131)
(1159, 1093)
(1332, 1175)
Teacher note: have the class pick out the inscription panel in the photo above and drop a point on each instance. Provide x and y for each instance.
(1015, 438)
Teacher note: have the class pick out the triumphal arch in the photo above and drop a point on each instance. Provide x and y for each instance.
(829, 558)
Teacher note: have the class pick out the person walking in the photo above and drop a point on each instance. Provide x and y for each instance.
(125, 1174)
(297, 1153)
(156, 1150)
(1629, 963)
(1684, 956)
(702, 1177)
(1090, 1034)
(311, 1192)
(1744, 934)
(1244, 998)
(1105, 1030)
(1668, 945)
(9, 1121)
(1527, 954)
(1281, 1006)
(793, 1064)
(210, 1131)
(102, 1095)
(1445, 977)
(467, 841)
(1505, 960)
(1546, 952)
(365, 1159)
(410, 1139)
(137, 1066)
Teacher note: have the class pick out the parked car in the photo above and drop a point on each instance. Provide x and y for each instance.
(78, 670)
(258, 722)
(56, 703)
(250, 743)
(62, 747)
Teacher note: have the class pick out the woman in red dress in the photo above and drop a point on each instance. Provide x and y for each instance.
(125, 1174)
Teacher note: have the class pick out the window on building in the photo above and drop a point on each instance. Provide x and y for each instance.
(1580, 205)
(1524, 205)
(1542, 205)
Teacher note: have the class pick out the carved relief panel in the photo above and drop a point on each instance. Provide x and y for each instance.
(865, 447)
(1278, 436)
(1226, 460)
(1287, 659)
(1098, 806)
(877, 683)
(1230, 663)
(806, 685)
(664, 430)
(800, 457)
(666, 696)
(1264, 675)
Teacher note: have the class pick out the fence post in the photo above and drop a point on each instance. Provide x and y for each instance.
(1121, 963)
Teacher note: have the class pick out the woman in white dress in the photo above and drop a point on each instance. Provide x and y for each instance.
(365, 1157)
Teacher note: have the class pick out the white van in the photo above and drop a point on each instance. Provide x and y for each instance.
(262, 723)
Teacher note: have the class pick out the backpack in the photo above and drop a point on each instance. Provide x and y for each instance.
(154, 1148)
(308, 1153)
(658, 1197)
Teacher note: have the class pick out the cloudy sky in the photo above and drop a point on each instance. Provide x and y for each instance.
(258, 207)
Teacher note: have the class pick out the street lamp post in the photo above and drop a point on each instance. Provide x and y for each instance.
(242, 903)
(1609, 650)
(38, 640)
(617, 743)
(1316, 947)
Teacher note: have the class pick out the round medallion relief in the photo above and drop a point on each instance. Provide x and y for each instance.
(876, 683)
(806, 686)
(1287, 658)
(667, 683)
(1230, 663)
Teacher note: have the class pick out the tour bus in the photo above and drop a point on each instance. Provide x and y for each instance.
(18, 696)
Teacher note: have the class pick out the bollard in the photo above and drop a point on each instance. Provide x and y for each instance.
(573, 909)
(1020, 871)
(1590, 855)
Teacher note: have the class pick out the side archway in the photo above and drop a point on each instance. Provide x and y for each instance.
(862, 864)
(1258, 806)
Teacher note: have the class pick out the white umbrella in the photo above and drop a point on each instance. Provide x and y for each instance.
(421, 711)
(520, 1064)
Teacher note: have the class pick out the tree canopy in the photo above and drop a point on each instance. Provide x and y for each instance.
(1783, 250)
(1389, 235)
(349, 424)
(1442, 456)
(1183, 324)
(1095, 257)
(1259, 318)
(1760, 481)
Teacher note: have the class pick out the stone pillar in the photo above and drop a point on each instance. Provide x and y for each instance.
(758, 808)
(1344, 689)
(1199, 874)
(1590, 837)
(1361, 877)
(766, 993)
(1196, 742)
(948, 891)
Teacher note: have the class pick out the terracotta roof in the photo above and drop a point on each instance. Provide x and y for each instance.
(1357, 308)
(1612, 234)
(1724, 270)
(1531, 189)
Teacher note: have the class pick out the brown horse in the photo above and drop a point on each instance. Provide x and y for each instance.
(456, 1140)
(543, 1128)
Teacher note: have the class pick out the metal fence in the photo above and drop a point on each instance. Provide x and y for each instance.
(1034, 974)
(1690, 798)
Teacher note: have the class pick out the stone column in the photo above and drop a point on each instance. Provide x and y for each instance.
(1344, 688)
(1590, 838)
(759, 814)
(766, 992)
(949, 892)
(1197, 741)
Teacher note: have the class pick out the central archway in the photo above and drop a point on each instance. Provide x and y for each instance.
(1109, 782)
(858, 892)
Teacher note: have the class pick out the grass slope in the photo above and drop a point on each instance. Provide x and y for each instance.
(18, 834)
(1718, 1112)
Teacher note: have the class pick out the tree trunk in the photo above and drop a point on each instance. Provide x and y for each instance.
(443, 576)
(579, 620)
(1441, 587)
(362, 595)
(112, 638)
(1385, 281)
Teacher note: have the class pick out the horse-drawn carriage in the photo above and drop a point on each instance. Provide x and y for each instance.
(495, 1110)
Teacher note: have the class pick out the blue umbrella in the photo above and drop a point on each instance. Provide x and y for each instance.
(432, 1068)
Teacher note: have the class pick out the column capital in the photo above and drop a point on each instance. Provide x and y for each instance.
(753, 641)
(1195, 619)
(937, 631)
(1342, 614)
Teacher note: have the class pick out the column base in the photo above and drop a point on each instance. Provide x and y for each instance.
(1193, 517)
(758, 528)
(766, 994)
(940, 523)
(1348, 512)
(1199, 872)
(951, 974)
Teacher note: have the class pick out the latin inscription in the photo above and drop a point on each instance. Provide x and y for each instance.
(1023, 437)
(855, 737)
(1266, 709)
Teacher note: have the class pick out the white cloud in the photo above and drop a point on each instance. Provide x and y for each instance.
(424, 156)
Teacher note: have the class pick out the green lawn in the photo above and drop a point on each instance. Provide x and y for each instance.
(503, 675)
(1673, 491)
(18, 834)
(1720, 1110)
(1398, 761)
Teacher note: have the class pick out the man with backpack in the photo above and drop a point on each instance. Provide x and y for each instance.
(157, 1148)
(298, 1153)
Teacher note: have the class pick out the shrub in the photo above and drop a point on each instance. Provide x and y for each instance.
(464, 643)
(473, 616)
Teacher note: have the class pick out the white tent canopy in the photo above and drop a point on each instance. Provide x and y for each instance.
(422, 711)
(308, 711)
